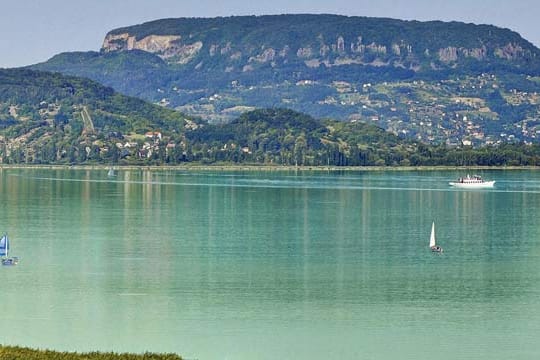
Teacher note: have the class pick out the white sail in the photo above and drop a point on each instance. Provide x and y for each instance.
(432, 237)
(4, 245)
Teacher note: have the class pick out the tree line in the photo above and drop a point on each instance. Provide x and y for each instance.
(265, 137)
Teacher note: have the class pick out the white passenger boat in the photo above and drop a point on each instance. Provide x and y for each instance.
(472, 182)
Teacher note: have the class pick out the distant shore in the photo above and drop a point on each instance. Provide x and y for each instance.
(238, 167)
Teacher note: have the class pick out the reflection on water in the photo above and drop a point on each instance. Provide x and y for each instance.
(247, 265)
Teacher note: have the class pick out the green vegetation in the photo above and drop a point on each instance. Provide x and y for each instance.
(52, 118)
(55, 119)
(20, 353)
(34, 90)
(285, 137)
(412, 78)
(308, 29)
(135, 73)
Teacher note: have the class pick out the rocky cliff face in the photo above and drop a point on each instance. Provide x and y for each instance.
(174, 49)
(168, 47)
(241, 43)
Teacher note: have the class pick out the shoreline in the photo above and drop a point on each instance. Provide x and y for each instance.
(235, 167)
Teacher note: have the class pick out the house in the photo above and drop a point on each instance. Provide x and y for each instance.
(153, 135)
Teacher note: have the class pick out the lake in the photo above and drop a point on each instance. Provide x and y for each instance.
(272, 264)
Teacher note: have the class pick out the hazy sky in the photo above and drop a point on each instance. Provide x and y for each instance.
(32, 31)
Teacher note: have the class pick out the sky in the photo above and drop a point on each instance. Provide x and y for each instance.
(32, 31)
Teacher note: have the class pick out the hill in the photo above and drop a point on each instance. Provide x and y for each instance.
(286, 137)
(53, 118)
(48, 118)
(433, 81)
(330, 40)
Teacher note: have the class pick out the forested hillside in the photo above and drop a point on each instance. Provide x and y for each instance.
(435, 82)
(50, 118)
(55, 119)
(285, 137)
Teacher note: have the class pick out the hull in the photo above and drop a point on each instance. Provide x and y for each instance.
(10, 261)
(481, 185)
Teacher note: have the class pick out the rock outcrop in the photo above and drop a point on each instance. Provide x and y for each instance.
(248, 42)
(167, 47)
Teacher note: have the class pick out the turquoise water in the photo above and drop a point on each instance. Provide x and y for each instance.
(266, 265)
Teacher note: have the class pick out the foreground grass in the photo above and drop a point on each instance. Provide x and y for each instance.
(19, 353)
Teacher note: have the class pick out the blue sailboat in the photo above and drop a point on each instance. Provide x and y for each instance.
(4, 252)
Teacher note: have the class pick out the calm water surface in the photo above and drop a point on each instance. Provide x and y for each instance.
(272, 265)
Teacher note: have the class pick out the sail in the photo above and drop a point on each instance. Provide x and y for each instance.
(432, 237)
(4, 245)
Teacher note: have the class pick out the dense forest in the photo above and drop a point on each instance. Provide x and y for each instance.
(285, 137)
(26, 95)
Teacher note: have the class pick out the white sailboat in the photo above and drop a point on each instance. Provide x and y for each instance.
(111, 172)
(432, 245)
(4, 252)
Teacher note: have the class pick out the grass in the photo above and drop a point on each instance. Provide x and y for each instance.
(20, 353)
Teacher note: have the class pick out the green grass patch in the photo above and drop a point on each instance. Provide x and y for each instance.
(20, 353)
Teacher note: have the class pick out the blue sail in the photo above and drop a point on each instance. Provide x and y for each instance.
(4, 245)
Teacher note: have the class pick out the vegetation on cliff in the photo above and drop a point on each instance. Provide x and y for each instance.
(295, 38)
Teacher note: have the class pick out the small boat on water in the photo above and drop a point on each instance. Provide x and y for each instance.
(432, 245)
(472, 182)
(111, 173)
(4, 252)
